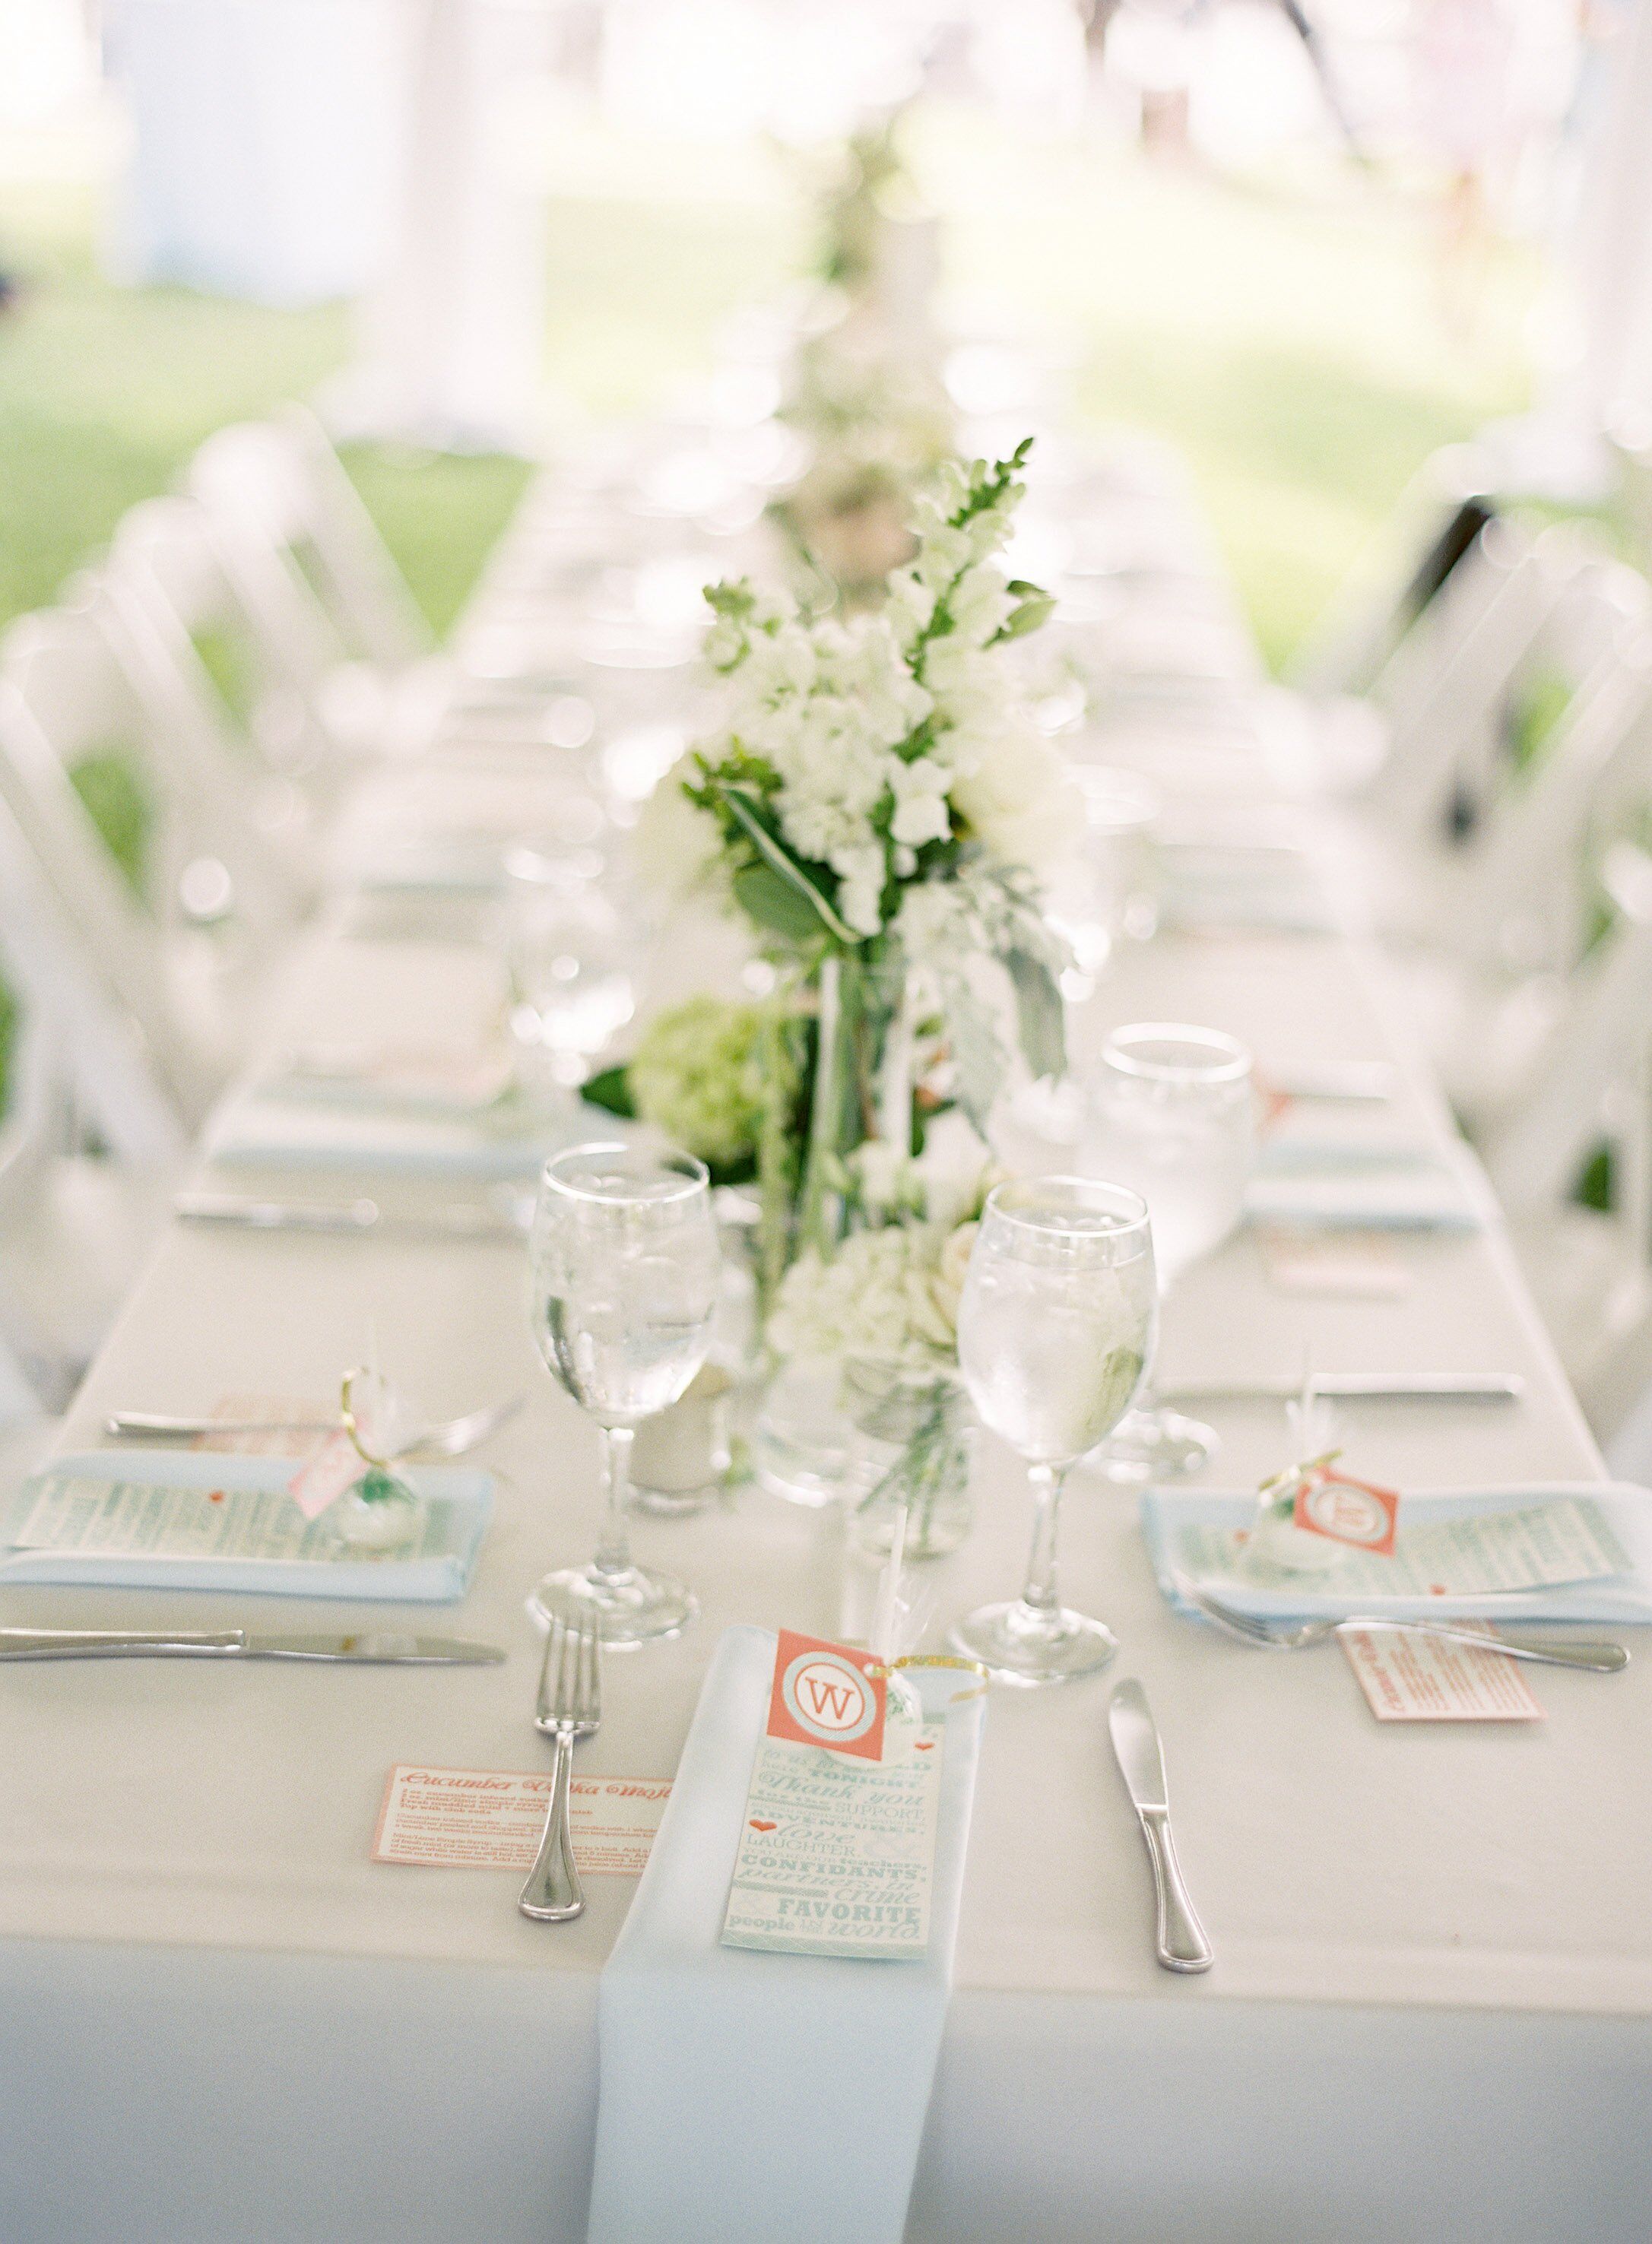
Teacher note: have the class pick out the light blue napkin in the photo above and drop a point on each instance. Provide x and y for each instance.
(434, 1568)
(1168, 1514)
(759, 2096)
(1420, 1194)
(507, 1141)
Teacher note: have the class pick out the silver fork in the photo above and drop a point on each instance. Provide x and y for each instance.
(570, 1707)
(448, 1437)
(1600, 1659)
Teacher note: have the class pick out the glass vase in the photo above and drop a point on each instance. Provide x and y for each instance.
(862, 1090)
(909, 1452)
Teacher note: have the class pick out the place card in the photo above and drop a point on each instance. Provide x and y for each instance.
(837, 1847)
(492, 1820)
(1410, 1678)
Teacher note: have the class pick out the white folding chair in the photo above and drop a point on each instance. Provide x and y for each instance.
(159, 989)
(314, 584)
(97, 676)
(1586, 1085)
(74, 1224)
(1392, 586)
(166, 558)
(1443, 687)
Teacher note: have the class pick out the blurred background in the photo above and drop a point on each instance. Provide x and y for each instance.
(1309, 249)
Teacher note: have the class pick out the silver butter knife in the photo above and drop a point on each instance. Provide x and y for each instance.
(345, 1218)
(1357, 1386)
(384, 1650)
(1180, 1938)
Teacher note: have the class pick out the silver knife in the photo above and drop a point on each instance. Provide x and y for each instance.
(1180, 1938)
(1355, 1082)
(1357, 1386)
(383, 1650)
(346, 1217)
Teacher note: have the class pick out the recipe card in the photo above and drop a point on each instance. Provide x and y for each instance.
(1540, 1546)
(837, 1848)
(492, 1819)
(1410, 1678)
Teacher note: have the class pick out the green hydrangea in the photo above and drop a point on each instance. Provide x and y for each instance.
(697, 1075)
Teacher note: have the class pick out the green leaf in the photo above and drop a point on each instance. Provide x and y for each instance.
(610, 1090)
(977, 1055)
(783, 863)
(1040, 1013)
(775, 904)
(1035, 610)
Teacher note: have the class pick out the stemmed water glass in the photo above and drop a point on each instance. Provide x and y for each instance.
(1055, 1327)
(624, 1263)
(1172, 1116)
(572, 960)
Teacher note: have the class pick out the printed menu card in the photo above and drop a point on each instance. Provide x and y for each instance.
(837, 1846)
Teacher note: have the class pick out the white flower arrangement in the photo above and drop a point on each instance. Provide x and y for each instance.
(889, 1296)
(857, 758)
(878, 428)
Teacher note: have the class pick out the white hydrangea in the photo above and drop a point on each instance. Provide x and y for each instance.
(891, 1296)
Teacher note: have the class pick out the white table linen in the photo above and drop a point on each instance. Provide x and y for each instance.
(779, 2094)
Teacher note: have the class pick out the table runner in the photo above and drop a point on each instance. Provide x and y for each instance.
(768, 2095)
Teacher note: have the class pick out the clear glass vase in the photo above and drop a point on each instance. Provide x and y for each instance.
(863, 1081)
(909, 1452)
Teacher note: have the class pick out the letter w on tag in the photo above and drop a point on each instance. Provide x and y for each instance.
(828, 1694)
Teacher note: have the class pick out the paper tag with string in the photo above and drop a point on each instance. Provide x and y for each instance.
(837, 1852)
(1345, 1510)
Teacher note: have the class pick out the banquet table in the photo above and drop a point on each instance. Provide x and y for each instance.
(1430, 2012)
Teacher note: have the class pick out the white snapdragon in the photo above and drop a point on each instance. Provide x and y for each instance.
(1017, 798)
(922, 811)
(676, 846)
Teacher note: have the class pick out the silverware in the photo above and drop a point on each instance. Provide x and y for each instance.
(448, 1437)
(1355, 1083)
(1599, 1657)
(383, 1650)
(570, 1707)
(1357, 1386)
(1179, 1937)
(347, 1219)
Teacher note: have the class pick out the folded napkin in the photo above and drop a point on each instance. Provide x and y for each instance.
(1187, 1531)
(154, 1519)
(507, 1140)
(1420, 1194)
(768, 2096)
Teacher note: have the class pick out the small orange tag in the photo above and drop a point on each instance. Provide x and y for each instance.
(828, 1694)
(1345, 1510)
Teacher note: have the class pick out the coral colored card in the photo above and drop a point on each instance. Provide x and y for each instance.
(491, 1819)
(828, 1694)
(1408, 1678)
(1344, 1511)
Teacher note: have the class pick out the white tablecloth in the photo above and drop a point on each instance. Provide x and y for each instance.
(1432, 2008)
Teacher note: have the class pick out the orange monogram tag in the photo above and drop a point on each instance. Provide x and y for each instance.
(828, 1694)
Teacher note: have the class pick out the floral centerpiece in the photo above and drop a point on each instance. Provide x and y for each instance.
(877, 427)
(863, 392)
(876, 802)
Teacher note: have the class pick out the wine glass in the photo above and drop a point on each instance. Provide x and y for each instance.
(1107, 888)
(1055, 1329)
(571, 961)
(1172, 1116)
(624, 1263)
